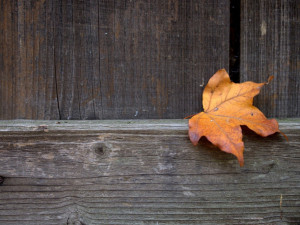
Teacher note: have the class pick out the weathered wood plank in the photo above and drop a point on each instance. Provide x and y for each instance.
(109, 59)
(143, 172)
(270, 45)
(27, 60)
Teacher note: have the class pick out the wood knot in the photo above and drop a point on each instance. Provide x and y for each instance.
(100, 148)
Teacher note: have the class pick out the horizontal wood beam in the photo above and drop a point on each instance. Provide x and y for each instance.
(143, 172)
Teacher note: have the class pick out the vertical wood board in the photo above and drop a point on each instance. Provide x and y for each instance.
(270, 45)
(109, 59)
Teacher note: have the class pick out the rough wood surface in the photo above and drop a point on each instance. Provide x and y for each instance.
(109, 59)
(270, 45)
(143, 172)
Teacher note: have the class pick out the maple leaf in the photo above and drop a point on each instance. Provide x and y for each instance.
(227, 106)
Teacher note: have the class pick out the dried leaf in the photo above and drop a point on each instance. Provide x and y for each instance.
(227, 106)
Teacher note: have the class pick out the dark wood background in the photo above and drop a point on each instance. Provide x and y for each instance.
(70, 59)
(270, 44)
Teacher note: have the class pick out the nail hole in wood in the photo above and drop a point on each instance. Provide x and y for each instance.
(100, 150)
(1, 180)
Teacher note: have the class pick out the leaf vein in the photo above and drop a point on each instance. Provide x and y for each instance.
(232, 98)
(222, 130)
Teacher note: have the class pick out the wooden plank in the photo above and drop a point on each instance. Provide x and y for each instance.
(27, 71)
(109, 59)
(40, 73)
(21, 86)
(6, 44)
(143, 172)
(270, 45)
(154, 55)
(83, 67)
(8, 57)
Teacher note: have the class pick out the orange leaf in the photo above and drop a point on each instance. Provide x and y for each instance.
(228, 105)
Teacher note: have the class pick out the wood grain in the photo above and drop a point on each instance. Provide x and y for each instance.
(270, 45)
(143, 172)
(109, 59)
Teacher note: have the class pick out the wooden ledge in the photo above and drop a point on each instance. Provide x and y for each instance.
(143, 172)
(171, 124)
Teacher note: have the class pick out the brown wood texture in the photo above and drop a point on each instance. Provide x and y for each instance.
(71, 59)
(270, 45)
(143, 172)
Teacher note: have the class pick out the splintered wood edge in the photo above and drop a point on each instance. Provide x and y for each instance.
(164, 124)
